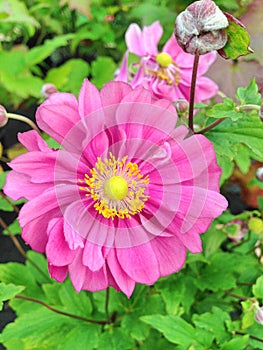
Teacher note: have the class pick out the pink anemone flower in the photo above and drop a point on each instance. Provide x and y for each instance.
(125, 195)
(167, 74)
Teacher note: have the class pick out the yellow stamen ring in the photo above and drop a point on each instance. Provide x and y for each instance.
(117, 187)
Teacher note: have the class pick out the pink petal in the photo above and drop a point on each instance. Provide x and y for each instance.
(140, 263)
(170, 254)
(114, 92)
(124, 282)
(205, 89)
(133, 38)
(57, 250)
(95, 281)
(77, 272)
(123, 73)
(57, 120)
(33, 141)
(58, 273)
(89, 99)
(151, 36)
(26, 188)
(38, 166)
(92, 256)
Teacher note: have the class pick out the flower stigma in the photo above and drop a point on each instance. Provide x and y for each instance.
(164, 59)
(116, 186)
(164, 69)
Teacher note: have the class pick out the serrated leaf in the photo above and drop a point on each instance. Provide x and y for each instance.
(8, 291)
(225, 110)
(81, 337)
(214, 322)
(115, 339)
(178, 331)
(228, 136)
(238, 40)
(249, 94)
(218, 274)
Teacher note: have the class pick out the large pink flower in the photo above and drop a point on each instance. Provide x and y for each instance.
(125, 195)
(167, 74)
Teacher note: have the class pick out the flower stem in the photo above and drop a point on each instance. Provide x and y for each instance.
(211, 126)
(24, 120)
(16, 209)
(248, 107)
(107, 298)
(250, 336)
(192, 93)
(51, 308)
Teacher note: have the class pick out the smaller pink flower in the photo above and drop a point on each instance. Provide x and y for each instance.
(167, 74)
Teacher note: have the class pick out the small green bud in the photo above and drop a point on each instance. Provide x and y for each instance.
(255, 225)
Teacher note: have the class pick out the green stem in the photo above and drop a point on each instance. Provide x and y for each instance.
(51, 308)
(24, 120)
(248, 107)
(192, 93)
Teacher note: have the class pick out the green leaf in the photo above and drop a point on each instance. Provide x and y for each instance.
(258, 288)
(14, 228)
(39, 53)
(16, 12)
(228, 136)
(69, 76)
(218, 275)
(214, 322)
(102, 71)
(8, 291)
(115, 339)
(3, 178)
(238, 40)
(248, 315)
(237, 343)
(80, 337)
(180, 332)
(249, 94)
(225, 110)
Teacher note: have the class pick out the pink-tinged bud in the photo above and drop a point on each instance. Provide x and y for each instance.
(259, 316)
(236, 229)
(3, 116)
(200, 28)
(48, 89)
(182, 106)
(259, 174)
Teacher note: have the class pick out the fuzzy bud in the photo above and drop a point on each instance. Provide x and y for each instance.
(200, 28)
(182, 106)
(3, 116)
(259, 316)
(48, 89)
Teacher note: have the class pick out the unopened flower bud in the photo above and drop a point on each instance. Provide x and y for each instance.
(259, 174)
(182, 106)
(236, 229)
(48, 89)
(200, 28)
(3, 116)
(255, 225)
(259, 316)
